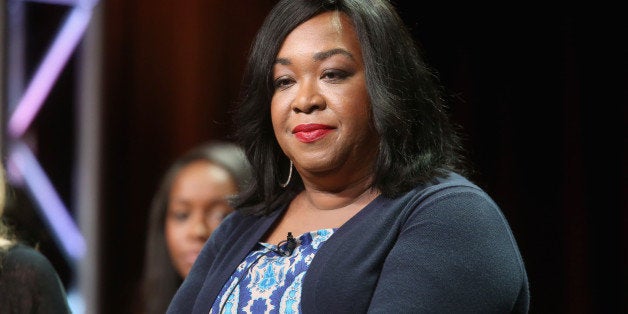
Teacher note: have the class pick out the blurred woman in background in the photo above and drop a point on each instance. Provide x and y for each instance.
(192, 200)
(28, 281)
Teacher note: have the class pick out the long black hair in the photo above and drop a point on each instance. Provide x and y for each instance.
(417, 140)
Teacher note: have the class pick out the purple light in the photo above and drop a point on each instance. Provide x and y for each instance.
(65, 230)
(60, 2)
(49, 69)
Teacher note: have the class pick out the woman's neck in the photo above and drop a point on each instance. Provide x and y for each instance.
(318, 208)
(322, 200)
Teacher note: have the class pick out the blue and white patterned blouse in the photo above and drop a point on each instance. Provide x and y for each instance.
(269, 282)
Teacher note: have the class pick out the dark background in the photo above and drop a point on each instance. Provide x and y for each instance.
(540, 93)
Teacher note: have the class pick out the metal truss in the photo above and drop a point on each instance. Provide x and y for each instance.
(75, 235)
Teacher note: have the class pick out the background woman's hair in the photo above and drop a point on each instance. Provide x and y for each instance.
(160, 279)
(418, 141)
(6, 239)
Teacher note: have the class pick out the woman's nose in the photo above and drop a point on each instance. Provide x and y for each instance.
(308, 98)
(199, 228)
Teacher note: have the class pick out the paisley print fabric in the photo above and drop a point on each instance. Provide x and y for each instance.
(269, 280)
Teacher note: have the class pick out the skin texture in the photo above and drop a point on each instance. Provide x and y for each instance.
(319, 79)
(197, 205)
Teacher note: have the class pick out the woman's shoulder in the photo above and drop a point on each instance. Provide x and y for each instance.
(449, 183)
(452, 179)
(30, 282)
(450, 193)
(24, 254)
(28, 261)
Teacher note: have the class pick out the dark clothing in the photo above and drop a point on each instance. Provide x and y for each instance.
(444, 247)
(29, 283)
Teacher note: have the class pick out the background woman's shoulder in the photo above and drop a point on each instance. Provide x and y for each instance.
(29, 283)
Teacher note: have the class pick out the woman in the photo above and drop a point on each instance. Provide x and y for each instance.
(192, 200)
(28, 281)
(359, 204)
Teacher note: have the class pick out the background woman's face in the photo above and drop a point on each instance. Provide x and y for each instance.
(320, 107)
(197, 205)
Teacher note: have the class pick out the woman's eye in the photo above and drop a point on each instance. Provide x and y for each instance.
(334, 75)
(282, 82)
(180, 215)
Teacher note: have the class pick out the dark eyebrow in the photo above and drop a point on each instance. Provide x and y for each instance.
(326, 54)
(319, 56)
(282, 61)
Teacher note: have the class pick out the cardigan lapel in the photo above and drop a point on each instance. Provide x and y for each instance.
(230, 256)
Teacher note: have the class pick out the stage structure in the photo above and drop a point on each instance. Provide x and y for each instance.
(24, 91)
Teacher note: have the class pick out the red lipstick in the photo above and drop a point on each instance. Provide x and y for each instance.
(308, 133)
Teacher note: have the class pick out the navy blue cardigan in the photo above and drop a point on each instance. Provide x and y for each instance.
(440, 248)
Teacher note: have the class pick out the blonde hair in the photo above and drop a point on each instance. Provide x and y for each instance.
(5, 241)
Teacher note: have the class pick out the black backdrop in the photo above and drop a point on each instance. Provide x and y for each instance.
(542, 95)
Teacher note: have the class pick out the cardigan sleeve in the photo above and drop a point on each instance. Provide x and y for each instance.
(455, 255)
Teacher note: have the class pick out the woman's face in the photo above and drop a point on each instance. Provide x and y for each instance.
(197, 205)
(320, 108)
